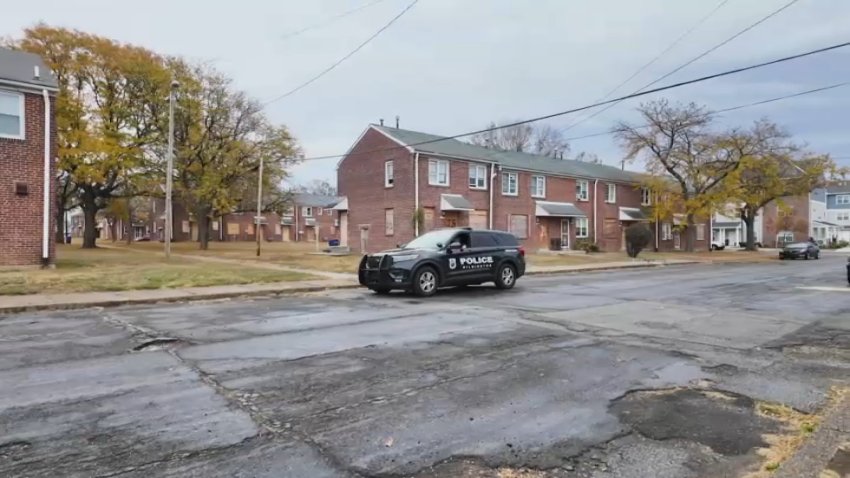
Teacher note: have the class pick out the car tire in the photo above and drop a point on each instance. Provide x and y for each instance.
(505, 276)
(806, 256)
(425, 282)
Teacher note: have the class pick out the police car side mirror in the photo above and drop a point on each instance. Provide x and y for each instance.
(455, 246)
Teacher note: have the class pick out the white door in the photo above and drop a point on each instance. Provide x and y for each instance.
(343, 228)
(565, 233)
(677, 240)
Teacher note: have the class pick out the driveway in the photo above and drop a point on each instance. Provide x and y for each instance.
(653, 372)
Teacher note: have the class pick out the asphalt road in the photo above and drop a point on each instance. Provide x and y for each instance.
(652, 372)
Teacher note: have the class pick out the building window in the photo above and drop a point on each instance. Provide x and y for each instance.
(518, 224)
(438, 172)
(11, 115)
(319, 211)
(700, 232)
(842, 199)
(389, 222)
(843, 216)
(666, 231)
(388, 174)
(538, 186)
(581, 228)
(611, 193)
(645, 197)
(510, 186)
(477, 176)
(581, 190)
(307, 211)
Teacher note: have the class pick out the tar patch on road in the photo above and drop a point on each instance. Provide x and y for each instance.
(728, 424)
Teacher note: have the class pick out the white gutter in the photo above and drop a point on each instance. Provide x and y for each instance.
(416, 193)
(492, 185)
(45, 230)
(595, 222)
(27, 86)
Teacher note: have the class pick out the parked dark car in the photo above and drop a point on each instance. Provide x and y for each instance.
(444, 258)
(848, 270)
(800, 250)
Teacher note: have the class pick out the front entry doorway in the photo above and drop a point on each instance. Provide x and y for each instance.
(565, 234)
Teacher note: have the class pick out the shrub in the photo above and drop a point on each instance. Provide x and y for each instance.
(587, 246)
(638, 236)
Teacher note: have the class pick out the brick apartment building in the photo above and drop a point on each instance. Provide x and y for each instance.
(397, 183)
(27, 159)
(311, 217)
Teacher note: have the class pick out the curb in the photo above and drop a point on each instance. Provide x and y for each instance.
(169, 299)
(816, 453)
(610, 268)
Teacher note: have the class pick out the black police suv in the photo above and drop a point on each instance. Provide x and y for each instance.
(444, 258)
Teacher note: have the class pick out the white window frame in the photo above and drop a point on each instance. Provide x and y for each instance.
(21, 114)
(476, 172)
(645, 197)
(389, 170)
(507, 176)
(700, 232)
(843, 216)
(524, 233)
(319, 211)
(582, 188)
(306, 211)
(538, 192)
(611, 193)
(842, 199)
(582, 229)
(666, 231)
(434, 172)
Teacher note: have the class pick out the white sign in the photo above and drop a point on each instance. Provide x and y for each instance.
(481, 262)
(452, 263)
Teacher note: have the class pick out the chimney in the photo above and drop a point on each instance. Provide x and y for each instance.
(36, 73)
(396, 121)
(381, 120)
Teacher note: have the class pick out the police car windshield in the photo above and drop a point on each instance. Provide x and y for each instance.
(431, 239)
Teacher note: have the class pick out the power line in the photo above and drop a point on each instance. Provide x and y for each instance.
(689, 62)
(615, 100)
(657, 57)
(724, 110)
(347, 56)
(329, 20)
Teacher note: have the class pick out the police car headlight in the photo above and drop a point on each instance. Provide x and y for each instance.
(406, 257)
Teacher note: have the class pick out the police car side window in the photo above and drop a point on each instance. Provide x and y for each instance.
(508, 240)
(482, 239)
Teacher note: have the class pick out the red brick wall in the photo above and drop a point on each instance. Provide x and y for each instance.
(360, 177)
(22, 161)
(324, 221)
(795, 218)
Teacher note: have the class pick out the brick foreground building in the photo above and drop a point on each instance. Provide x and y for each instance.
(27, 160)
(397, 183)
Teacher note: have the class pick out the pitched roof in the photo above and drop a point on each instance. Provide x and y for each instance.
(838, 188)
(315, 200)
(19, 67)
(508, 159)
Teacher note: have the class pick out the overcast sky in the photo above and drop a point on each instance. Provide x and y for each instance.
(450, 66)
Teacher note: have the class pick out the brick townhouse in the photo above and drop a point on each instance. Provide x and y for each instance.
(27, 159)
(394, 187)
(311, 218)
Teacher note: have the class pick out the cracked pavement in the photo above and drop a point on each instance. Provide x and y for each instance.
(650, 372)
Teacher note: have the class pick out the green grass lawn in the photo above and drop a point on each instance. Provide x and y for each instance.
(87, 270)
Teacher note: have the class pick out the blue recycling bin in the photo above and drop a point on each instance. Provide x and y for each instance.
(333, 243)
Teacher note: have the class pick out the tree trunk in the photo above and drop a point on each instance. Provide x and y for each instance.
(60, 223)
(89, 226)
(749, 219)
(690, 234)
(203, 230)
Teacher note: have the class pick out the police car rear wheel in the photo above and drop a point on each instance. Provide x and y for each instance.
(425, 282)
(506, 276)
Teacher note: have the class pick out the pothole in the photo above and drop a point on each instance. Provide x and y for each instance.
(159, 343)
(727, 423)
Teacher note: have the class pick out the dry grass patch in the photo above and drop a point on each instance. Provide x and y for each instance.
(92, 270)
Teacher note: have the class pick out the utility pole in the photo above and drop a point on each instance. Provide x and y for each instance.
(169, 171)
(259, 204)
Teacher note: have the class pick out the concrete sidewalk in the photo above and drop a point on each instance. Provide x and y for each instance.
(20, 303)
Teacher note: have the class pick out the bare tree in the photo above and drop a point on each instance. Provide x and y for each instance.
(678, 143)
(318, 186)
(549, 141)
(512, 138)
(586, 157)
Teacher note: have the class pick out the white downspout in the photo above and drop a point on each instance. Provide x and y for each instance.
(492, 185)
(45, 230)
(416, 193)
(595, 222)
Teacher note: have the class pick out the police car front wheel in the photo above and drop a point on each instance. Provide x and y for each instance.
(506, 276)
(425, 282)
